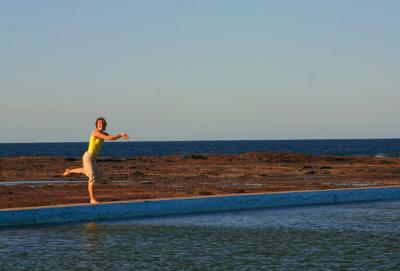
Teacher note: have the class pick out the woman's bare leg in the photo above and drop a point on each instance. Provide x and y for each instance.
(93, 200)
(73, 170)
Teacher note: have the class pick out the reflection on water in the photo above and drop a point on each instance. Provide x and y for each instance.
(336, 237)
(90, 237)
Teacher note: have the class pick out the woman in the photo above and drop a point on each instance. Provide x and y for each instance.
(97, 138)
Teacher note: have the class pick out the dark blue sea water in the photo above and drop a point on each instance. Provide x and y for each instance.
(357, 147)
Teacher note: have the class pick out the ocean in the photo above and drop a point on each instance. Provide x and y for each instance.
(340, 147)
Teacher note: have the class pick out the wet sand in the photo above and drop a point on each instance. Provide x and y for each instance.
(190, 175)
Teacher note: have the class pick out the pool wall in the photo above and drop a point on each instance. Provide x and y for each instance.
(148, 208)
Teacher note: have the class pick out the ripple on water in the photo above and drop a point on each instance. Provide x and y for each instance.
(352, 236)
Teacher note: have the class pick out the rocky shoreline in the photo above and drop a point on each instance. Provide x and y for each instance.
(189, 175)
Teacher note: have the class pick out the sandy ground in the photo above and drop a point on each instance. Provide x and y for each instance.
(192, 175)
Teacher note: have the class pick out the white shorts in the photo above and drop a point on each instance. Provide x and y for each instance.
(89, 166)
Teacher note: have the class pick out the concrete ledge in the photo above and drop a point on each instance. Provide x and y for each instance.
(143, 208)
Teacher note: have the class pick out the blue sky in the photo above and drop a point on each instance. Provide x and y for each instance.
(199, 70)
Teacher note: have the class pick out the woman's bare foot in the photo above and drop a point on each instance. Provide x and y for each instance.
(66, 172)
(93, 201)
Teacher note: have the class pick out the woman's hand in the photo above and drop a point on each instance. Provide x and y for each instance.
(124, 135)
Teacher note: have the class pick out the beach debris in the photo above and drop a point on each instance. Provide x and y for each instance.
(199, 157)
(71, 159)
(205, 193)
(138, 174)
(311, 172)
(113, 160)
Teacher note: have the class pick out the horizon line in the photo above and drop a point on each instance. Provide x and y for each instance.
(205, 140)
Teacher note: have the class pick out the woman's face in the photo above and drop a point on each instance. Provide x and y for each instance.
(101, 125)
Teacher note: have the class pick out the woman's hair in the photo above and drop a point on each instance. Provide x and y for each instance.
(100, 119)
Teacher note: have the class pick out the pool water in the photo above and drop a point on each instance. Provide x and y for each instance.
(363, 236)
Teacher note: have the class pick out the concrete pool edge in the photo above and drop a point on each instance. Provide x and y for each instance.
(156, 207)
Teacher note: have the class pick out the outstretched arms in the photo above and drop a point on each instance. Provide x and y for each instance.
(106, 136)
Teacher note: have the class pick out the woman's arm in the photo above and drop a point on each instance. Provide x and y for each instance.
(106, 136)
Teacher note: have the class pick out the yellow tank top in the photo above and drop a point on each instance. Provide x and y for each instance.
(95, 145)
